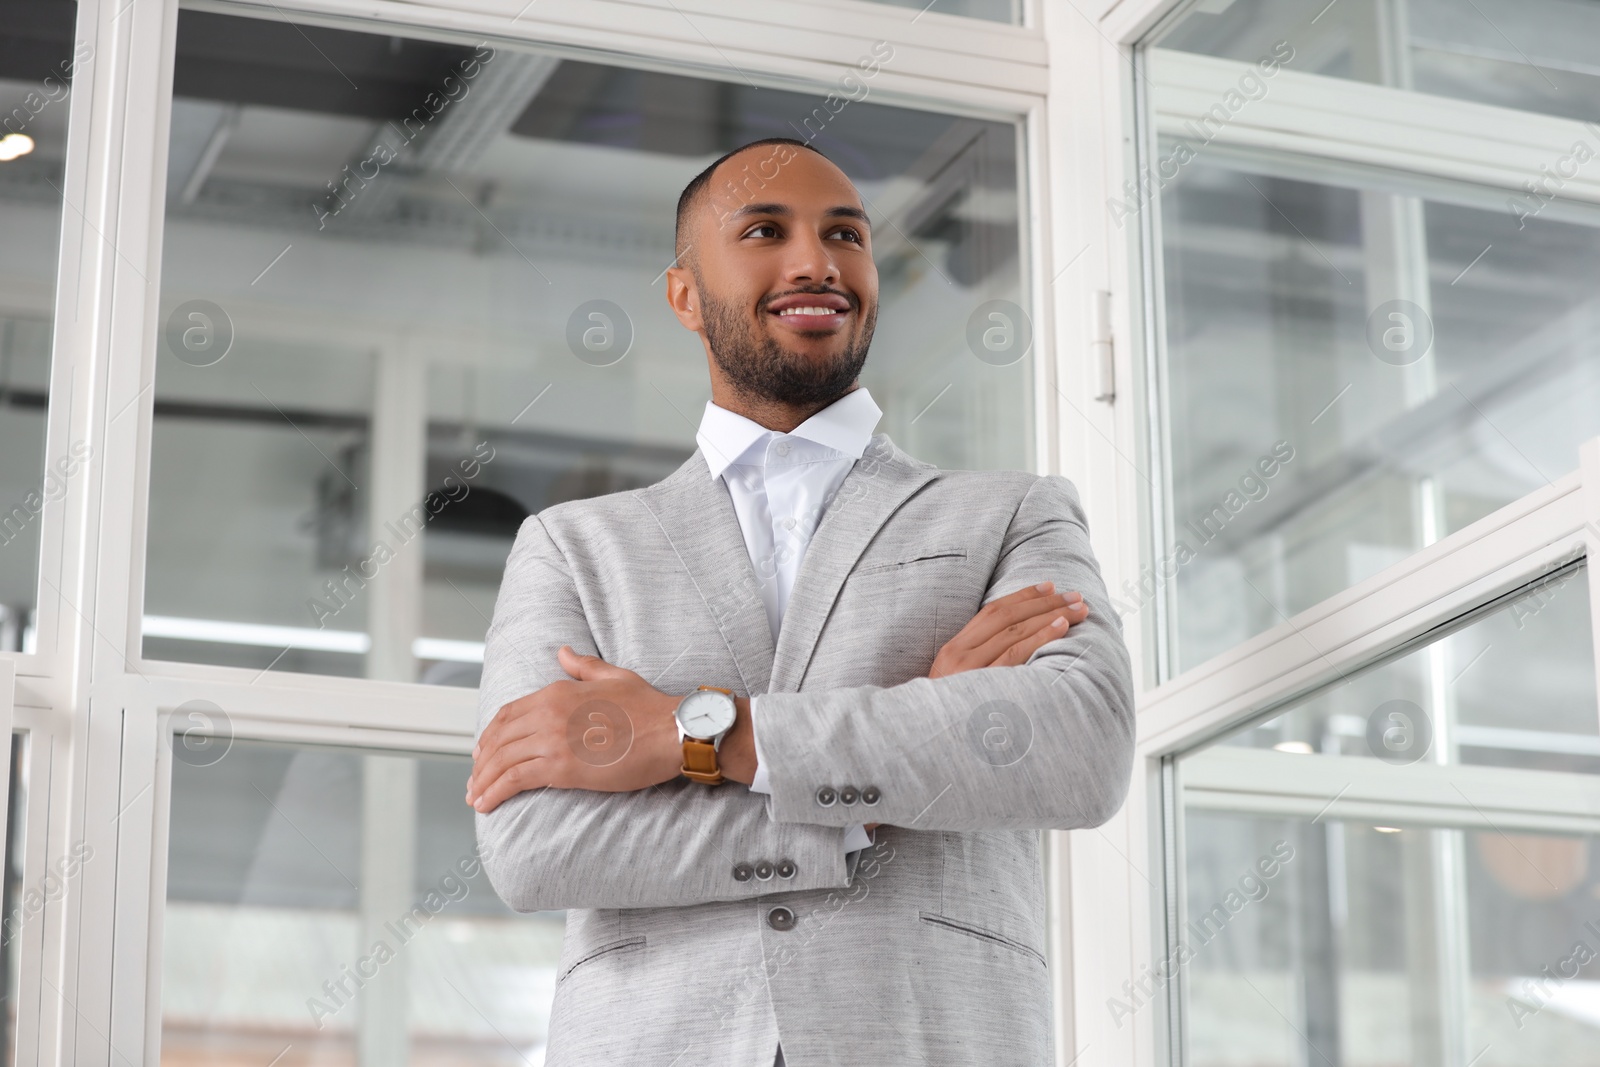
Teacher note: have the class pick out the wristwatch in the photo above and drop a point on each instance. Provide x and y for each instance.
(704, 718)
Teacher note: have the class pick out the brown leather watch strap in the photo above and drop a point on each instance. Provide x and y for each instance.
(700, 757)
(700, 762)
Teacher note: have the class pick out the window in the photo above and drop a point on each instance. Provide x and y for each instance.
(992, 10)
(1323, 426)
(1532, 55)
(38, 61)
(375, 360)
(410, 292)
(333, 900)
(14, 906)
(279, 351)
(1404, 352)
(1394, 870)
(1367, 234)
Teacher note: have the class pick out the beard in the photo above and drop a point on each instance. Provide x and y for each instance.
(761, 367)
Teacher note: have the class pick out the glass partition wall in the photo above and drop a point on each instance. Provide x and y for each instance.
(381, 269)
(1393, 870)
(38, 60)
(343, 915)
(297, 318)
(1372, 235)
(385, 258)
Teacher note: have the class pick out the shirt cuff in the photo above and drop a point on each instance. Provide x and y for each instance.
(857, 837)
(759, 783)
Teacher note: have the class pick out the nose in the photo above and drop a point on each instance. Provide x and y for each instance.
(811, 262)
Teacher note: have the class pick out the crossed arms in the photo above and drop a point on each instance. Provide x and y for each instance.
(1019, 726)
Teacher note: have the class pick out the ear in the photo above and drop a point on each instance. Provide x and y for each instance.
(684, 297)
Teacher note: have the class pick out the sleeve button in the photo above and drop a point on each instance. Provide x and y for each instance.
(848, 795)
(763, 870)
(870, 795)
(826, 796)
(786, 868)
(742, 872)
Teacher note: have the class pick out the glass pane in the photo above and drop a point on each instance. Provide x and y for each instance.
(330, 901)
(1398, 916)
(377, 250)
(1521, 693)
(993, 10)
(38, 60)
(253, 469)
(15, 907)
(1531, 55)
(1353, 373)
(1332, 959)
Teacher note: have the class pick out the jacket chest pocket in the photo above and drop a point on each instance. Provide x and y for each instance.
(913, 563)
(889, 613)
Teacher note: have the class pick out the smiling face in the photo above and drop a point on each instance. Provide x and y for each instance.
(777, 276)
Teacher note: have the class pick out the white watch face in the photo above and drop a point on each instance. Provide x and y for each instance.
(705, 714)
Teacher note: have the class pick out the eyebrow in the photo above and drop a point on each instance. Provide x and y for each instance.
(843, 211)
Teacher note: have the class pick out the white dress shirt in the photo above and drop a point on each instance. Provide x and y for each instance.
(780, 484)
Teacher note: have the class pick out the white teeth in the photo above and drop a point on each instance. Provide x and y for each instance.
(808, 311)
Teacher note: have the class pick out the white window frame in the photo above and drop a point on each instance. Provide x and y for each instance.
(100, 716)
(1121, 876)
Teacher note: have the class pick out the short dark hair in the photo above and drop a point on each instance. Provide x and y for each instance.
(692, 192)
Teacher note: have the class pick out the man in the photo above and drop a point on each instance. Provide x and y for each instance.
(862, 884)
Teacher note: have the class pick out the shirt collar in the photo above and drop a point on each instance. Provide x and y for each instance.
(845, 425)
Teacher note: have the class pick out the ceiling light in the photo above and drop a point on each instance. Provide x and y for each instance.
(13, 145)
(1387, 829)
(1298, 748)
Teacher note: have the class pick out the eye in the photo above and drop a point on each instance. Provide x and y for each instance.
(848, 231)
(762, 226)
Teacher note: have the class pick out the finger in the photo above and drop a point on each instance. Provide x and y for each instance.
(503, 790)
(529, 770)
(1000, 638)
(510, 721)
(574, 663)
(523, 722)
(986, 636)
(1042, 635)
(496, 762)
(992, 651)
(489, 737)
(1024, 610)
(490, 770)
(995, 616)
(586, 668)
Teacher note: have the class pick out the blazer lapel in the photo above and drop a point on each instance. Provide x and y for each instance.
(696, 514)
(882, 479)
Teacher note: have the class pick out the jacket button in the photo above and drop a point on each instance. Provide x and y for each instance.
(826, 796)
(780, 919)
(741, 872)
(786, 868)
(848, 795)
(763, 870)
(870, 795)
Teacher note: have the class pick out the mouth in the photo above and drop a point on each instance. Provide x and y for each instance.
(811, 312)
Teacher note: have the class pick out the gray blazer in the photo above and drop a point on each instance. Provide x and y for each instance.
(706, 923)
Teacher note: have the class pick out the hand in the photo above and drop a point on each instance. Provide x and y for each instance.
(1006, 631)
(608, 730)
